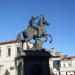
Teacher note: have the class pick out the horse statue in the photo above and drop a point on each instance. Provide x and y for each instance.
(35, 31)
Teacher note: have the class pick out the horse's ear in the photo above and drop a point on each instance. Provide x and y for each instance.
(43, 18)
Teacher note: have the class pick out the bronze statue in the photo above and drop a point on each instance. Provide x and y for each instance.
(35, 31)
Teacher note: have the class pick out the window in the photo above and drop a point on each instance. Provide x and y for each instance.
(0, 68)
(56, 64)
(9, 52)
(64, 65)
(70, 64)
(18, 49)
(0, 52)
(74, 72)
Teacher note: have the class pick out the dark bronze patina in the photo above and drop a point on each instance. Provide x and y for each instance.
(36, 31)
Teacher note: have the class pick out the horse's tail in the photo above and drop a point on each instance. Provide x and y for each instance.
(20, 39)
(19, 36)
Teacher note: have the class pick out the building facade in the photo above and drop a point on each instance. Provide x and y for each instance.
(8, 52)
(67, 65)
(54, 61)
(59, 64)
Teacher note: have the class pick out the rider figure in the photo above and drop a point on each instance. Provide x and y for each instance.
(32, 22)
(41, 26)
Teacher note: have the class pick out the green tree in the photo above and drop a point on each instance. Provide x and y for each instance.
(7, 72)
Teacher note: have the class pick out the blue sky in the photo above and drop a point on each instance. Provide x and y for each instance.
(15, 14)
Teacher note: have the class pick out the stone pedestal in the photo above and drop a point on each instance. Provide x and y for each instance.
(33, 62)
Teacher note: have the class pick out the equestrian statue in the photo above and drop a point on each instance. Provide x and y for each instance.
(35, 31)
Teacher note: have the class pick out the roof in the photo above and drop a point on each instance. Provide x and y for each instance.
(68, 57)
(8, 42)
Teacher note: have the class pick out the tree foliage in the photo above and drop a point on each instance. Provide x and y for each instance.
(7, 72)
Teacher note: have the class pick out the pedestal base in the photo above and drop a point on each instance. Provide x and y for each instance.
(33, 63)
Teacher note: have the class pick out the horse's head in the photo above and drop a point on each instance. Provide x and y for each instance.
(43, 21)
